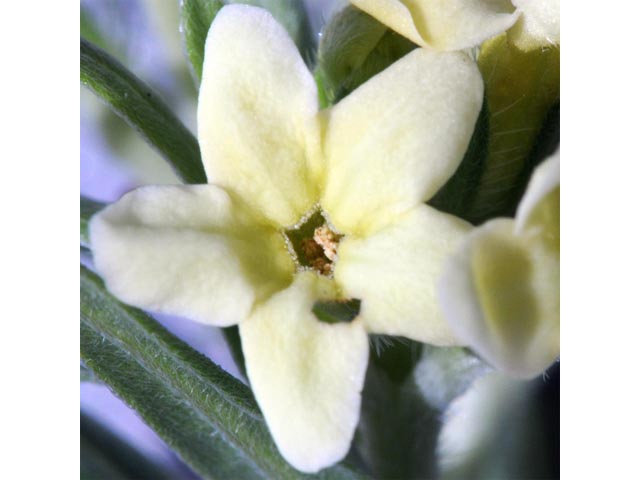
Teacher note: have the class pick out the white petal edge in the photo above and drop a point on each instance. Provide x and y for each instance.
(443, 25)
(395, 271)
(538, 26)
(512, 319)
(257, 123)
(544, 180)
(394, 141)
(182, 250)
(306, 375)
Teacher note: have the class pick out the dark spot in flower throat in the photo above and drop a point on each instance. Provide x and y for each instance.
(314, 244)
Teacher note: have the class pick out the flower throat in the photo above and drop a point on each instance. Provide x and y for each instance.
(313, 244)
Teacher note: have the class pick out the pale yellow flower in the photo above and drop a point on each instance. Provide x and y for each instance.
(223, 253)
(449, 25)
(500, 292)
(444, 25)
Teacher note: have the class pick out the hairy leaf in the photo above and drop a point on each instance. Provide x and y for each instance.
(232, 337)
(135, 101)
(208, 417)
(197, 16)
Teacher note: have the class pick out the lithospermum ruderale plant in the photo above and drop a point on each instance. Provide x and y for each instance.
(372, 220)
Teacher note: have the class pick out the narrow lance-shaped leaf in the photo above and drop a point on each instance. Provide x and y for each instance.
(135, 101)
(208, 417)
(197, 16)
(232, 337)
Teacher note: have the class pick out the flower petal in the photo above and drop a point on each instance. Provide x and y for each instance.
(397, 139)
(538, 26)
(257, 124)
(540, 205)
(443, 25)
(394, 272)
(395, 15)
(306, 375)
(501, 294)
(189, 251)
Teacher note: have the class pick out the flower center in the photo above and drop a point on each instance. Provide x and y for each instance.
(313, 244)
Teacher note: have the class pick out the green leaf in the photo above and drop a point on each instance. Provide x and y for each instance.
(197, 16)
(135, 101)
(338, 311)
(88, 208)
(458, 194)
(546, 143)
(443, 374)
(504, 200)
(208, 417)
(522, 90)
(232, 337)
(104, 455)
(355, 47)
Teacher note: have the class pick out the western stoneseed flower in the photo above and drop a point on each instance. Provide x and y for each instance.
(501, 290)
(303, 206)
(444, 25)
